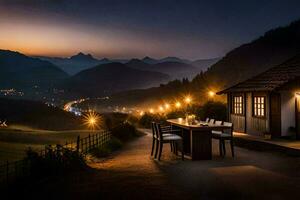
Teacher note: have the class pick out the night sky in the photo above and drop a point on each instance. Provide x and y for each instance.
(122, 29)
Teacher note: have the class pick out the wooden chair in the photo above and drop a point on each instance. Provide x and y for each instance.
(222, 136)
(216, 134)
(211, 121)
(154, 137)
(170, 138)
(166, 130)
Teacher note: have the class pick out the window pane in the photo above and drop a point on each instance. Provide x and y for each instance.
(238, 105)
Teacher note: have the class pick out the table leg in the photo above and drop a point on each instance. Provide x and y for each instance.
(201, 148)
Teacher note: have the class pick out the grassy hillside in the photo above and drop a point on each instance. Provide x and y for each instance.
(16, 139)
(37, 115)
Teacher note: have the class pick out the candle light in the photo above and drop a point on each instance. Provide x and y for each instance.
(180, 120)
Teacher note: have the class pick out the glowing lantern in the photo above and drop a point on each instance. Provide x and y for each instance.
(211, 94)
(177, 104)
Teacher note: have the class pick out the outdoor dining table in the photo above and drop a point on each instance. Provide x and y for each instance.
(197, 138)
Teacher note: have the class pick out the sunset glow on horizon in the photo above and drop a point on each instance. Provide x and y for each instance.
(122, 29)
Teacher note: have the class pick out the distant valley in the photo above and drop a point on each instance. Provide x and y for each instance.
(82, 75)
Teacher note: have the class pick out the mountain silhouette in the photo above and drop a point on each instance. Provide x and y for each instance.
(106, 79)
(20, 71)
(83, 57)
(273, 48)
(248, 60)
(173, 69)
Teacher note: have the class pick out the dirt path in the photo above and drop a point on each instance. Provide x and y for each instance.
(132, 174)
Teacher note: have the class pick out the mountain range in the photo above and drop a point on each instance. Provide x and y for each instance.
(273, 48)
(107, 79)
(42, 76)
(81, 61)
(176, 70)
(250, 59)
(75, 63)
(20, 71)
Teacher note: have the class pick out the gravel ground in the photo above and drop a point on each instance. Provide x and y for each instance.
(132, 174)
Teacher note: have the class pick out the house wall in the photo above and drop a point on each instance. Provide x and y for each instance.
(238, 121)
(287, 112)
(247, 123)
(256, 125)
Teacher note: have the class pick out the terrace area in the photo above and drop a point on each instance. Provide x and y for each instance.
(133, 174)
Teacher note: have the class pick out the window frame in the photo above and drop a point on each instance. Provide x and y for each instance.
(236, 106)
(258, 107)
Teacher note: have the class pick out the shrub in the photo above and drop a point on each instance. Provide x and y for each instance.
(148, 118)
(175, 114)
(112, 120)
(125, 131)
(112, 145)
(56, 160)
(213, 109)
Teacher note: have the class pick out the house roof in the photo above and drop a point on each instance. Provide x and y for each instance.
(271, 79)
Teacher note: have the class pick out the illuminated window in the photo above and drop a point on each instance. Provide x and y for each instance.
(259, 106)
(238, 105)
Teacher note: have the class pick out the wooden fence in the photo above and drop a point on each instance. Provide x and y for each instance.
(10, 171)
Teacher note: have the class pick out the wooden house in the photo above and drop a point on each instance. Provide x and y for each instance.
(268, 103)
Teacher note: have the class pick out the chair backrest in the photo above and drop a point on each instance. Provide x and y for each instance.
(211, 121)
(218, 123)
(207, 120)
(159, 131)
(230, 128)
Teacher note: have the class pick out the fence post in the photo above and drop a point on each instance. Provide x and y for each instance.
(89, 142)
(77, 143)
(97, 139)
(7, 171)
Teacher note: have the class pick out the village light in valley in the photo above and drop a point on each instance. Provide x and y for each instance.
(151, 110)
